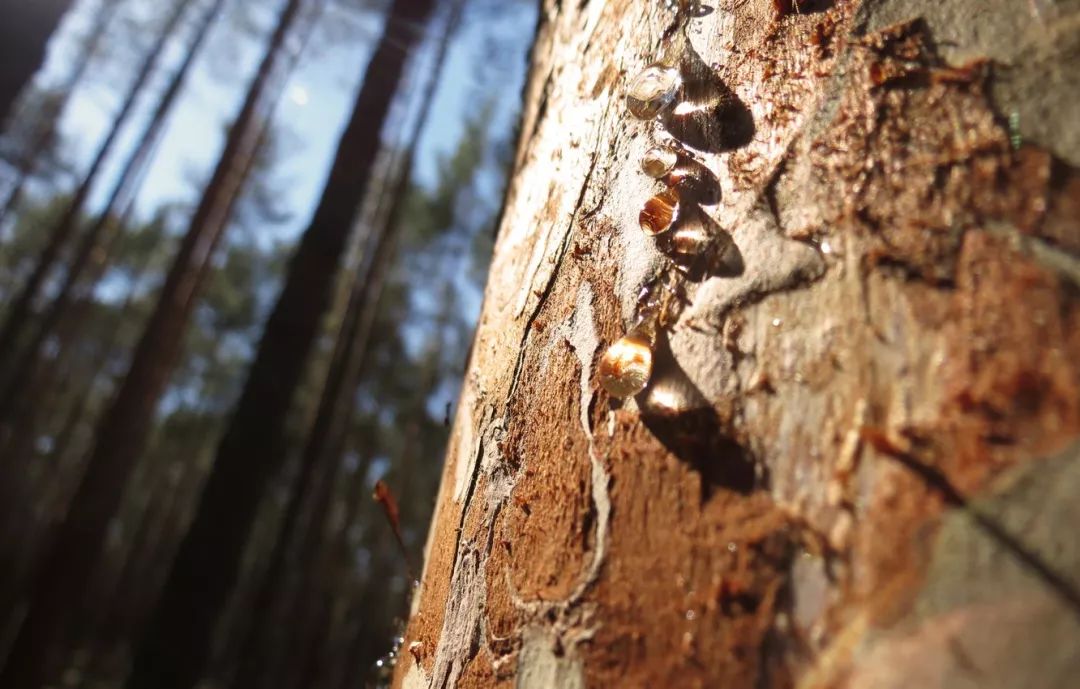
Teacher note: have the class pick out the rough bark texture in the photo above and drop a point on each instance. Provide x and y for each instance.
(879, 489)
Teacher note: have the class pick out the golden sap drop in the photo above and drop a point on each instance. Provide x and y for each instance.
(626, 366)
(653, 91)
(659, 212)
(659, 161)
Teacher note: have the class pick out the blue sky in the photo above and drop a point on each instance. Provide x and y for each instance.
(315, 101)
(486, 62)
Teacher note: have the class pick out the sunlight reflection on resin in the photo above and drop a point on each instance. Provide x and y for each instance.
(627, 365)
(653, 92)
(658, 161)
(660, 212)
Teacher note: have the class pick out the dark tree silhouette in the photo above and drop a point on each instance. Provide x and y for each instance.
(320, 458)
(124, 428)
(25, 29)
(22, 305)
(178, 641)
(325, 449)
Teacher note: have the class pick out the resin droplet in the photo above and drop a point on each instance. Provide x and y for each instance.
(626, 366)
(659, 161)
(653, 92)
(699, 248)
(687, 243)
(660, 212)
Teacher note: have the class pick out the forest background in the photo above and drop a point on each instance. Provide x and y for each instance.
(147, 124)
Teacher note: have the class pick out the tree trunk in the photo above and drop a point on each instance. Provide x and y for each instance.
(855, 458)
(25, 30)
(43, 134)
(55, 390)
(95, 239)
(326, 444)
(122, 433)
(252, 448)
(313, 594)
(22, 304)
(341, 668)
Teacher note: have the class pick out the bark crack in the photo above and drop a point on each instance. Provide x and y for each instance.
(564, 245)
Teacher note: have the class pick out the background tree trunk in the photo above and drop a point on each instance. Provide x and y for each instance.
(857, 457)
(124, 428)
(96, 238)
(252, 448)
(21, 308)
(25, 29)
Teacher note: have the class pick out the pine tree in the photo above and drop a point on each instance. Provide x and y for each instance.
(43, 133)
(776, 381)
(123, 431)
(251, 451)
(25, 30)
(21, 308)
(96, 237)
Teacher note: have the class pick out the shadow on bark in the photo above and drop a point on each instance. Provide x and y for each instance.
(700, 248)
(677, 413)
(723, 127)
(1058, 582)
(802, 6)
(708, 116)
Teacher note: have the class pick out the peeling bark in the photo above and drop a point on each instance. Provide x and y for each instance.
(872, 450)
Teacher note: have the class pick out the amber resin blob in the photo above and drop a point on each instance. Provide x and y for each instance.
(653, 92)
(658, 161)
(660, 212)
(626, 366)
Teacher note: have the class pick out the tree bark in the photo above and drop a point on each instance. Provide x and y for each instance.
(857, 451)
(252, 448)
(123, 431)
(22, 304)
(25, 30)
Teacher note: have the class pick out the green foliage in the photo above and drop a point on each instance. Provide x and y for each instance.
(411, 372)
(25, 239)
